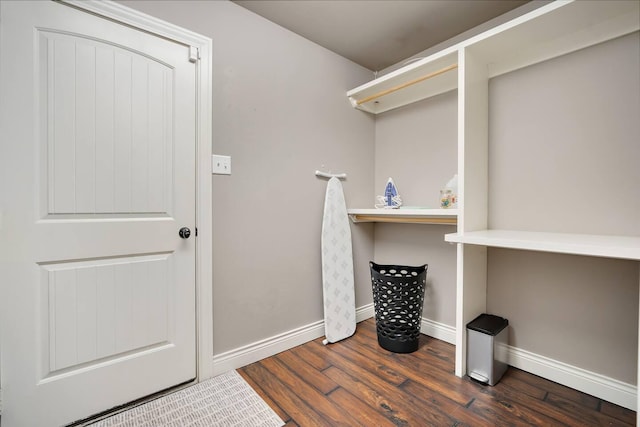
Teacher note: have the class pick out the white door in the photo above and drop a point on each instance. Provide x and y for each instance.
(97, 176)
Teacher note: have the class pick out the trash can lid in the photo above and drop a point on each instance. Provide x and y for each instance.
(488, 324)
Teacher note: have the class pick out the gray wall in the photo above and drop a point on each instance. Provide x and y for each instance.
(280, 111)
(417, 244)
(564, 143)
(563, 157)
(417, 146)
(579, 310)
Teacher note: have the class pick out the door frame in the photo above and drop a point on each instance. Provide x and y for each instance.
(204, 97)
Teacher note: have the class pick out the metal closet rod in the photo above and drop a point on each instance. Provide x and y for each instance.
(331, 175)
(403, 85)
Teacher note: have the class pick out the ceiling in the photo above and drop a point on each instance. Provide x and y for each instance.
(379, 33)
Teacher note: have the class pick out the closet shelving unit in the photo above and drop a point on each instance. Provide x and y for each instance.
(550, 31)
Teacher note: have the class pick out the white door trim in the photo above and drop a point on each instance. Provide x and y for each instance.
(204, 242)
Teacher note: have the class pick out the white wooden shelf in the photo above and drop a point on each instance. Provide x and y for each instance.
(405, 216)
(429, 87)
(577, 244)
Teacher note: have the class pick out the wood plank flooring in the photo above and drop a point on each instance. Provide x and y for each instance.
(357, 383)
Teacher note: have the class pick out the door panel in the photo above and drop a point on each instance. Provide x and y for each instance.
(108, 134)
(99, 309)
(98, 175)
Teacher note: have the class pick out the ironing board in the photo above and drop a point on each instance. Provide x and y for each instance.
(337, 267)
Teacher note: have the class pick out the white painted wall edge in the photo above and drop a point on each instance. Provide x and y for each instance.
(606, 388)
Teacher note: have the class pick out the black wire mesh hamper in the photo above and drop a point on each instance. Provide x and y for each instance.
(398, 296)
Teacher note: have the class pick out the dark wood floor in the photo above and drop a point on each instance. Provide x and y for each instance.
(355, 382)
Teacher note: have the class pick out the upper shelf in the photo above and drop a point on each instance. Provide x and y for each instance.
(577, 244)
(554, 29)
(419, 80)
(405, 216)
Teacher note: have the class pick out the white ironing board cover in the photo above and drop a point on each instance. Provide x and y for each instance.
(337, 266)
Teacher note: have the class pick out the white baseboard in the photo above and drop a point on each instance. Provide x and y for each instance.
(438, 330)
(268, 347)
(603, 387)
(365, 312)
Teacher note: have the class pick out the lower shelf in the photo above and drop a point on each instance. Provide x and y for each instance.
(405, 216)
(624, 247)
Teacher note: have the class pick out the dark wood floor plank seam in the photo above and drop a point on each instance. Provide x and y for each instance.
(400, 409)
(370, 396)
(453, 409)
(522, 387)
(258, 388)
(297, 409)
(618, 412)
(354, 367)
(548, 385)
(561, 412)
(469, 403)
(576, 411)
(367, 415)
(312, 358)
(502, 413)
(438, 381)
(530, 409)
(306, 372)
(309, 394)
(367, 362)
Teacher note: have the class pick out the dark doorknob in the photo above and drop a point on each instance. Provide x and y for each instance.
(184, 232)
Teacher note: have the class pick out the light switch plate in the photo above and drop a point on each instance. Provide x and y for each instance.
(221, 165)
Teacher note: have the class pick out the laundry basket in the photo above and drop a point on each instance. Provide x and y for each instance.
(398, 296)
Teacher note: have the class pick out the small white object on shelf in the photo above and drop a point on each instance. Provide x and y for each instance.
(449, 194)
